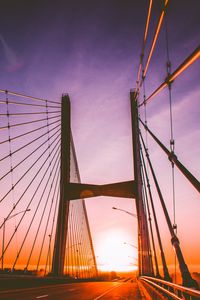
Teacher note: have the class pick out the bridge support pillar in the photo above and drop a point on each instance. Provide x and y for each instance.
(63, 211)
(144, 253)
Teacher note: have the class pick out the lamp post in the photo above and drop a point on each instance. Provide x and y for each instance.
(73, 245)
(131, 245)
(132, 215)
(4, 229)
(78, 265)
(133, 257)
(49, 253)
(75, 257)
(127, 212)
(92, 265)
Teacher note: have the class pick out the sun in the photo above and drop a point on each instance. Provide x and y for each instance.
(113, 254)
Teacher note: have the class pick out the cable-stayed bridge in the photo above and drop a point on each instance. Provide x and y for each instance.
(30, 190)
(44, 223)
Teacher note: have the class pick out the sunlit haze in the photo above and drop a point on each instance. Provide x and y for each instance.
(91, 50)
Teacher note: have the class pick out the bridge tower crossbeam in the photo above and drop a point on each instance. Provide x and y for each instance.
(72, 191)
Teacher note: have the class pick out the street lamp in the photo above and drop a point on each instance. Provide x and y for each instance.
(49, 253)
(78, 265)
(77, 260)
(131, 245)
(4, 229)
(73, 245)
(133, 257)
(127, 212)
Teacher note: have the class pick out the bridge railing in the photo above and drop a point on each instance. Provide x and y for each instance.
(170, 290)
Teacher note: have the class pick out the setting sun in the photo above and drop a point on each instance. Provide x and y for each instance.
(114, 254)
(99, 150)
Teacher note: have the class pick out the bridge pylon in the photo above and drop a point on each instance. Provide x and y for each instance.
(145, 264)
(63, 210)
(71, 191)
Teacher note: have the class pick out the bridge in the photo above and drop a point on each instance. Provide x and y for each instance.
(47, 245)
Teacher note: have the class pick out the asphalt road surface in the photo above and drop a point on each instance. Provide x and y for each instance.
(78, 291)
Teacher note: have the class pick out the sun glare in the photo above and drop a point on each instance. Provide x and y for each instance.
(114, 255)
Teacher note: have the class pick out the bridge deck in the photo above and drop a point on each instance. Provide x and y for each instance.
(80, 290)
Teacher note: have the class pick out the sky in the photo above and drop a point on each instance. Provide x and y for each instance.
(90, 50)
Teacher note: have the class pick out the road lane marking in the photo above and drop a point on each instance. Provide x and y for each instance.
(71, 290)
(32, 288)
(42, 296)
(108, 291)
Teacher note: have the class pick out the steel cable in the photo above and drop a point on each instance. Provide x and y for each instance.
(28, 132)
(28, 104)
(31, 142)
(22, 178)
(32, 220)
(29, 201)
(49, 214)
(54, 218)
(29, 122)
(46, 202)
(26, 96)
(23, 160)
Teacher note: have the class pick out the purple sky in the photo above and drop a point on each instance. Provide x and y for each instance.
(90, 49)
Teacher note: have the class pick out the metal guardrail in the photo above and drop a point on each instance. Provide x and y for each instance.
(171, 290)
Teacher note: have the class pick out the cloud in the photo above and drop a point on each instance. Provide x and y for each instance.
(12, 61)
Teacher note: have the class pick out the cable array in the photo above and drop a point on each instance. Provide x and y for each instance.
(155, 243)
(30, 138)
(30, 159)
(80, 258)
